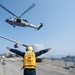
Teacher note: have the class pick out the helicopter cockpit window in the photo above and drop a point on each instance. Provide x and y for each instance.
(11, 18)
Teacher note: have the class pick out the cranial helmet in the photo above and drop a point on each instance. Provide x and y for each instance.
(29, 48)
(3, 57)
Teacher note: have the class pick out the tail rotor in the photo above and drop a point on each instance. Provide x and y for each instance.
(40, 26)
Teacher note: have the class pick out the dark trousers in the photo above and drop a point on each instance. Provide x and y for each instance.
(29, 72)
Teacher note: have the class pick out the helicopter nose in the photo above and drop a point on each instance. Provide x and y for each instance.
(6, 20)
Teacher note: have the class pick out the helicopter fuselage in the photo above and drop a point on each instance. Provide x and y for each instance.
(17, 22)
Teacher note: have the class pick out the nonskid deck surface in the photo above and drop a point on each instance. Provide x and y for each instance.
(12, 66)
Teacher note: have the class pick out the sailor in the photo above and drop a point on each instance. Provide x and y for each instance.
(3, 60)
(29, 62)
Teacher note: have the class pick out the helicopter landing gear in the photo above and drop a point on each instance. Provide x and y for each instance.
(14, 26)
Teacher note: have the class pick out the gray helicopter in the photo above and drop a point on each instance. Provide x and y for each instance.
(18, 21)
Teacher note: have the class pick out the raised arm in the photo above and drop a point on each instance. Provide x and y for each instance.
(42, 52)
(16, 51)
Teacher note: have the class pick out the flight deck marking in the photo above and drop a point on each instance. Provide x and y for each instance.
(53, 66)
(57, 69)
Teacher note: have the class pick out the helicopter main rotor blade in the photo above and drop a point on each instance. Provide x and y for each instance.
(28, 9)
(8, 10)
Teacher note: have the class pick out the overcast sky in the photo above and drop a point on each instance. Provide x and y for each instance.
(58, 32)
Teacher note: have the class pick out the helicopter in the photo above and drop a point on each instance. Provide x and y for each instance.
(18, 21)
